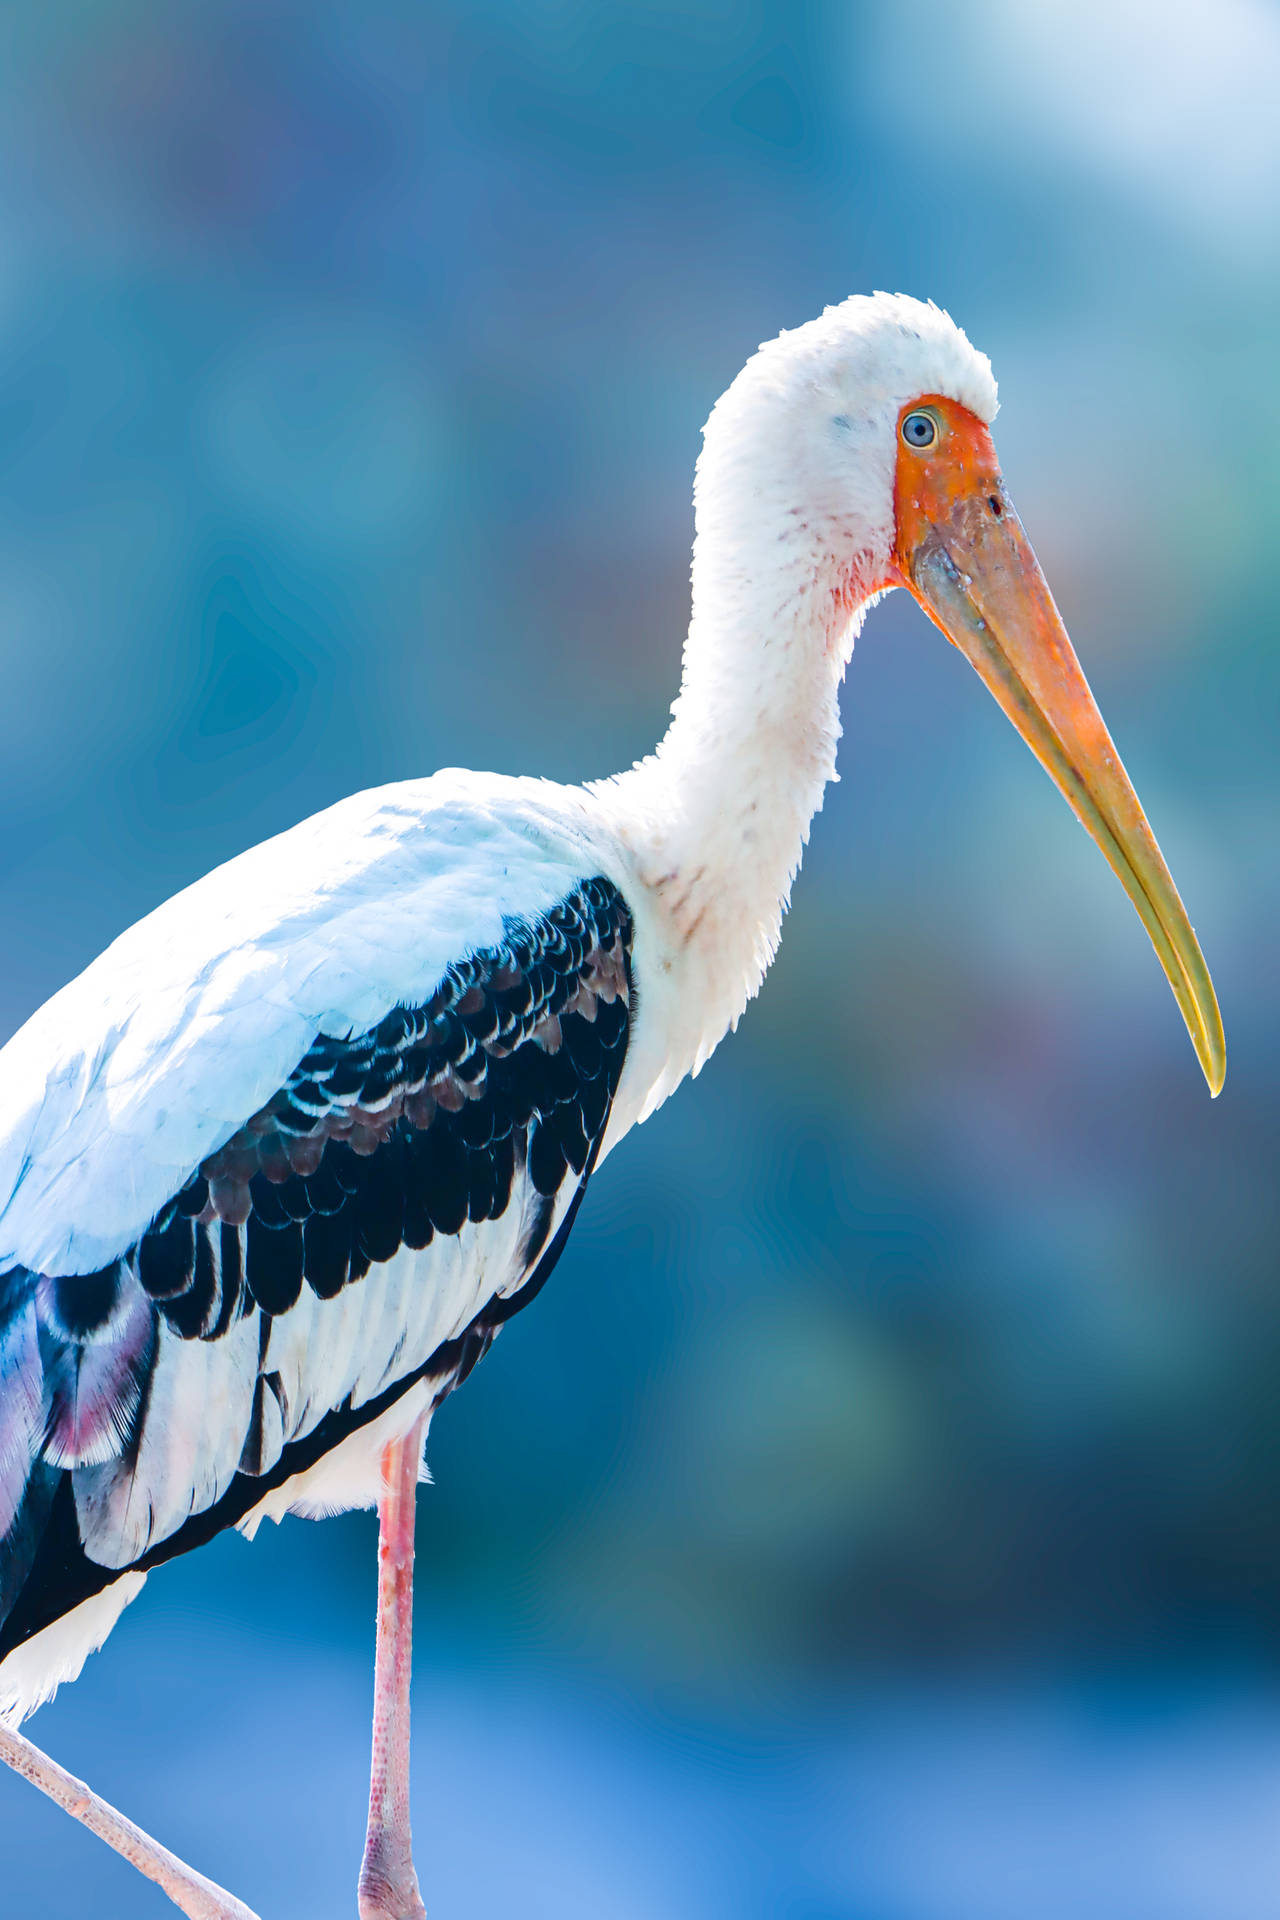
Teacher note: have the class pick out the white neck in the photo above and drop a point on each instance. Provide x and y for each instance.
(718, 817)
(795, 536)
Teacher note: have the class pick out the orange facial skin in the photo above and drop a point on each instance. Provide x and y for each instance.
(931, 482)
(961, 551)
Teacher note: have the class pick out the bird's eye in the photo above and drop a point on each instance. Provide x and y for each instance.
(919, 430)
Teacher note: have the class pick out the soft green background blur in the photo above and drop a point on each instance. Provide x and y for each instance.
(879, 1516)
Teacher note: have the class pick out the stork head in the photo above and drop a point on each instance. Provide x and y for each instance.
(872, 425)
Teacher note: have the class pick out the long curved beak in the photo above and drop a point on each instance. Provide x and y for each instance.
(968, 561)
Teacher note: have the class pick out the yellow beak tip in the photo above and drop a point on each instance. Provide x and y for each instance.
(1213, 1061)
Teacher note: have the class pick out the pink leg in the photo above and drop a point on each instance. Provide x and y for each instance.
(197, 1897)
(388, 1882)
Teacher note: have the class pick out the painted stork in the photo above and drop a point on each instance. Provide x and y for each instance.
(279, 1165)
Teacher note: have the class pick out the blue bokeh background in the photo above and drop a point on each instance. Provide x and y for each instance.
(879, 1517)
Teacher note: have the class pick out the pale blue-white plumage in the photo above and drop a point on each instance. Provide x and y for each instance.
(125, 1080)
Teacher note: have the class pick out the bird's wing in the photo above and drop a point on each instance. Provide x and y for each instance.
(370, 1221)
(147, 1062)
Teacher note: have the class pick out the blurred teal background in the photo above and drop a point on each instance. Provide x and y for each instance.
(879, 1516)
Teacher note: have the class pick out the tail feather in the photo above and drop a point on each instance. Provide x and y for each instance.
(34, 1671)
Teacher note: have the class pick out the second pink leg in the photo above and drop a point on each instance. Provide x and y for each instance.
(388, 1881)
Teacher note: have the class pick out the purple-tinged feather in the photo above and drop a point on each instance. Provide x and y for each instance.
(21, 1402)
(93, 1391)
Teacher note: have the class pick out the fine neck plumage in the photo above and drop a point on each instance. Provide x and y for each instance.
(718, 817)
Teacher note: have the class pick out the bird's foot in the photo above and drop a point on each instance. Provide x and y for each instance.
(389, 1890)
